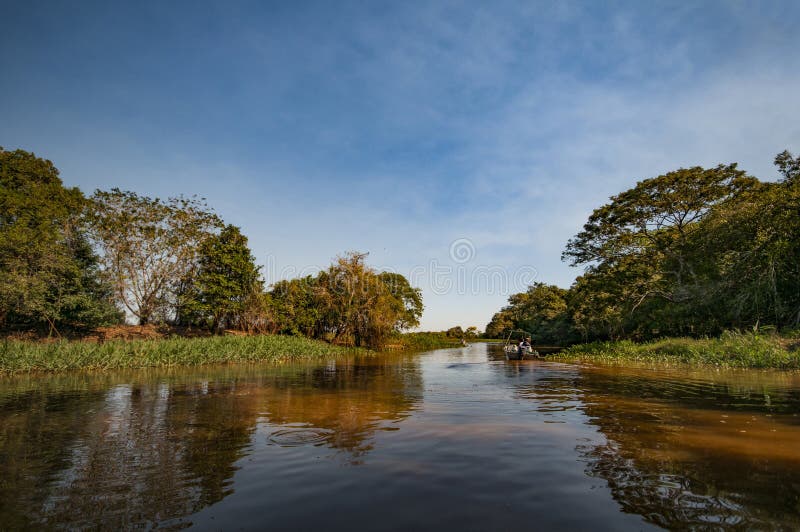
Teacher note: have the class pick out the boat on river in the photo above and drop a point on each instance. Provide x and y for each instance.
(514, 351)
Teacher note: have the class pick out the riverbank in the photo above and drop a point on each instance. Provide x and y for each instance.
(23, 356)
(423, 341)
(731, 349)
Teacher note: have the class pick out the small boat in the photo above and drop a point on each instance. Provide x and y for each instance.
(514, 352)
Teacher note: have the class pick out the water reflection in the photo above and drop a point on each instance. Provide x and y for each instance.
(136, 449)
(690, 449)
(497, 444)
(343, 404)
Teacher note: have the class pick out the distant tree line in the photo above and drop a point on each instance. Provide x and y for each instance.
(692, 252)
(68, 262)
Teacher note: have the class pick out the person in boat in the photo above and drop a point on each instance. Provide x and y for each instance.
(524, 346)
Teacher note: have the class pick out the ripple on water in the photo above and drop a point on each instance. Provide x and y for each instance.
(297, 437)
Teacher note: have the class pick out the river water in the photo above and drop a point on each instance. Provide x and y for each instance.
(448, 439)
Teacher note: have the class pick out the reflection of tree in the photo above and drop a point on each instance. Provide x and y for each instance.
(350, 402)
(673, 456)
(37, 429)
(125, 455)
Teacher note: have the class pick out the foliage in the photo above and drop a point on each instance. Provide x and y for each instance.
(422, 341)
(225, 285)
(20, 357)
(455, 332)
(689, 253)
(409, 299)
(48, 271)
(542, 309)
(731, 349)
(149, 246)
(788, 165)
(347, 303)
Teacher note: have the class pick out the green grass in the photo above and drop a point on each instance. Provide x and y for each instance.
(422, 341)
(22, 357)
(731, 349)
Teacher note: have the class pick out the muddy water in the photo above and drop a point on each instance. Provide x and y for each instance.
(457, 438)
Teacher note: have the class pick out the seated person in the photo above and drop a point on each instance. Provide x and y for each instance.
(525, 346)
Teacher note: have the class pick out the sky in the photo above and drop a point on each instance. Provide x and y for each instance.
(458, 143)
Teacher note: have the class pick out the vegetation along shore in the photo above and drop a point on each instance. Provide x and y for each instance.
(687, 255)
(24, 356)
(729, 350)
(671, 266)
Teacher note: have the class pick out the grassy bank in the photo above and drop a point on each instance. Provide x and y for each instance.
(732, 349)
(20, 356)
(422, 341)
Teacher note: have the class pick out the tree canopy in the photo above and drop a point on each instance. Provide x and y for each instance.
(48, 270)
(148, 246)
(691, 252)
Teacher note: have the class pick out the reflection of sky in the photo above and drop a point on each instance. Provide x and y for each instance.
(450, 438)
(398, 128)
(475, 446)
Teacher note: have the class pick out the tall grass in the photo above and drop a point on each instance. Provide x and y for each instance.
(19, 356)
(731, 349)
(421, 341)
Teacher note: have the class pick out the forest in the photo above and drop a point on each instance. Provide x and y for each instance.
(691, 253)
(70, 263)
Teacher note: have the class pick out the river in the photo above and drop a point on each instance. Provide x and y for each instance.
(447, 439)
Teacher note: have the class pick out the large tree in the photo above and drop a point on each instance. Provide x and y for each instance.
(540, 310)
(643, 240)
(347, 302)
(48, 271)
(752, 252)
(149, 246)
(225, 281)
(409, 305)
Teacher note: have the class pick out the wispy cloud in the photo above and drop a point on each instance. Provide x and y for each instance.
(399, 128)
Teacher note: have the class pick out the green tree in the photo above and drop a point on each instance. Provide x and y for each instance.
(356, 303)
(226, 277)
(48, 271)
(455, 332)
(349, 302)
(752, 255)
(295, 307)
(788, 165)
(643, 243)
(541, 310)
(148, 247)
(409, 299)
(501, 324)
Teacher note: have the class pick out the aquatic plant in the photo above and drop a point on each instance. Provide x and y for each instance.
(731, 349)
(20, 356)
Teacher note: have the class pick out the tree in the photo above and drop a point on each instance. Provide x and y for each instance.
(409, 299)
(296, 308)
(357, 303)
(226, 276)
(349, 302)
(455, 332)
(752, 254)
(48, 270)
(148, 246)
(788, 165)
(501, 324)
(540, 310)
(646, 237)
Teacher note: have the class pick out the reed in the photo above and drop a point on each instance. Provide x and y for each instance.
(731, 349)
(422, 341)
(21, 357)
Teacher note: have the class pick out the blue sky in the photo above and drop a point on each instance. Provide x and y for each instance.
(399, 128)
